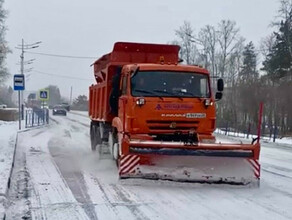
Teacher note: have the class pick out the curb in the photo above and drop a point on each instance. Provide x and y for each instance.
(12, 165)
(13, 162)
(10, 174)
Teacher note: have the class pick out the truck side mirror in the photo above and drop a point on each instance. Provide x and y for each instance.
(220, 85)
(218, 95)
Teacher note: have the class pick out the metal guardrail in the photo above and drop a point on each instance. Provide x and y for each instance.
(36, 117)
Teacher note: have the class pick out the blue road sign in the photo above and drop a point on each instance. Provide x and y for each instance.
(44, 95)
(19, 82)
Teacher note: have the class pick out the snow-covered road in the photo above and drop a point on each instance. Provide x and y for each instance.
(56, 176)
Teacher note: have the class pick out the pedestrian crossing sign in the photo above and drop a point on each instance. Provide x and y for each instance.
(44, 95)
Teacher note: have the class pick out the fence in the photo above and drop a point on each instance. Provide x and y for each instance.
(36, 117)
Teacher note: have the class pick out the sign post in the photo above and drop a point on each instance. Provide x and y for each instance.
(44, 96)
(19, 85)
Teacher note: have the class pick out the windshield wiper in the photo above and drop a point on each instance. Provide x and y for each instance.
(189, 93)
(167, 92)
(184, 92)
(148, 92)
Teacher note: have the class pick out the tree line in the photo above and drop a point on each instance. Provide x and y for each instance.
(226, 54)
(5, 92)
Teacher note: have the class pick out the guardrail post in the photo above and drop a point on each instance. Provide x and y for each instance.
(47, 115)
(32, 121)
(25, 119)
(260, 120)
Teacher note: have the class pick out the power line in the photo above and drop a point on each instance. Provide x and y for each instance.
(63, 56)
(61, 76)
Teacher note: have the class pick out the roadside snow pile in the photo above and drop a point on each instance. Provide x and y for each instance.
(8, 131)
(285, 140)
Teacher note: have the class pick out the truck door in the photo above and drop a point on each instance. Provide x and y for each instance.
(123, 101)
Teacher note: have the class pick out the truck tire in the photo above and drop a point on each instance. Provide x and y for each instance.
(92, 137)
(112, 140)
(95, 138)
(116, 151)
(110, 143)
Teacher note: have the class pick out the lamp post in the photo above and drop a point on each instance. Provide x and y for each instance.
(23, 47)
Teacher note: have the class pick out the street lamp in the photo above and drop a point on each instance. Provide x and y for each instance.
(23, 47)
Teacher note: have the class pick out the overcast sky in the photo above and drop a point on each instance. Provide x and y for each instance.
(89, 28)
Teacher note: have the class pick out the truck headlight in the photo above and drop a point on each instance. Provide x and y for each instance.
(208, 102)
(140, 101)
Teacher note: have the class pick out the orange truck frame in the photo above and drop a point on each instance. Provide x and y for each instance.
(156, 117)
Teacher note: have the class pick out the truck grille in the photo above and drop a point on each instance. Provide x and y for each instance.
(154, 125)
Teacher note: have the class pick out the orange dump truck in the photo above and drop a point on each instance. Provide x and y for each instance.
(156, 117)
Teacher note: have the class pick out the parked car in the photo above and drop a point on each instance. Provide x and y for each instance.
(59, 110)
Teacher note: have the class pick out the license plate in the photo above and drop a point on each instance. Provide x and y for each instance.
(196, 115)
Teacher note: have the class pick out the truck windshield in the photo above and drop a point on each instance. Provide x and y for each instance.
(170, 84)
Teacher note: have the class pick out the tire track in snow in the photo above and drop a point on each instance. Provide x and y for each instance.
(257, 202)
(274, 173)
(73, 176)
(79, 114)
(81, 123)
(132, 206)
(105, 196)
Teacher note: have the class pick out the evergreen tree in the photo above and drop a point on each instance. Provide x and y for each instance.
(80, 103)
(278, 62)
(248, 71)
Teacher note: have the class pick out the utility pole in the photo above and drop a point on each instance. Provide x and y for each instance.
(23, 47)
(71, 95)
(22, 73)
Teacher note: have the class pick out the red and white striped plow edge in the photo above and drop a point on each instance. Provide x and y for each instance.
(256, 167)
(128, 163)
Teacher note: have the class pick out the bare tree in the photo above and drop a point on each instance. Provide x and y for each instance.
(267, 44)
(234, 63)
(185, 34)
(285, 9)
(207, 38)
(228, 38)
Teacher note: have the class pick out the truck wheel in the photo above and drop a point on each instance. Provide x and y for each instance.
(112, 141)
(98, 139)
(93, 137)
(116, 152)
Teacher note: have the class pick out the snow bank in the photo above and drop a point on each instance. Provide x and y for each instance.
(8, 133)
(287, 141)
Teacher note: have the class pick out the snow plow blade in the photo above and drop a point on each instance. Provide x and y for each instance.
(211, 163)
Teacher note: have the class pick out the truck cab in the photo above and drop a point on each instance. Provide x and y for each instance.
(166, 102)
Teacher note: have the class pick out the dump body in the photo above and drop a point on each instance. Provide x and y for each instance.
(111, 64)
(158, 117)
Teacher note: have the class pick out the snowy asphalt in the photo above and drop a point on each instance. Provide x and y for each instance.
(56, 176)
